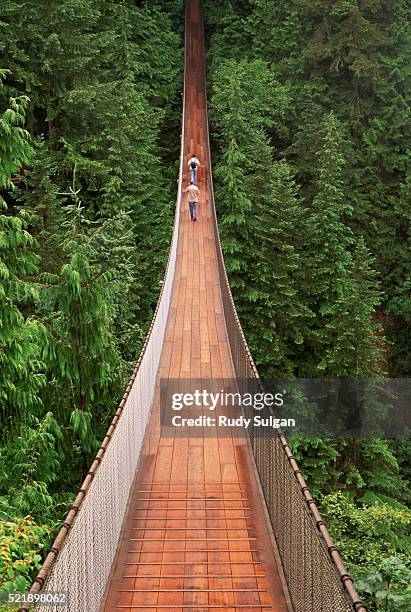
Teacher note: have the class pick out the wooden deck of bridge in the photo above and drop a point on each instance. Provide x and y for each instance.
(195, 536)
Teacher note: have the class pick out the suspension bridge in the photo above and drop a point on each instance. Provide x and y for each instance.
(195, 522)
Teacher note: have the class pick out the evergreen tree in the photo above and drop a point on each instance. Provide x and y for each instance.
(31, 464)
(344, 288)
(113, 131)
(48, 47)
(278, 322)
(21, 377)
(347, 37)
(114, 249)
(38, 196)
(235, 206)
(331, 237)
(368, 469)
(330, 240)
(78, 346)
(352, 58)
(244, 96)
(358, 348)
(106, 116)
(399, 306)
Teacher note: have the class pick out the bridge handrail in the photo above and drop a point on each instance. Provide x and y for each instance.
(98, 510)
(274, 456)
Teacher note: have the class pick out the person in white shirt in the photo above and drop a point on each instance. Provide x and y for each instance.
(193, 164)
(193, 193)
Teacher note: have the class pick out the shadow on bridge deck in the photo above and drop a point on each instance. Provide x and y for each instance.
(195, 535)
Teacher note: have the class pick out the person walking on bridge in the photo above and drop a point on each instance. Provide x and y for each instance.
(193, 193)
(193, 165)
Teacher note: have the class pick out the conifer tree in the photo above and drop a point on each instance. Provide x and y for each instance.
(351, 57)
(38, 196)
(278, 323)
(358, 347)
(21, 378)
(330, 234)
(48, 47)
(116, 151)
(235, 206)
(330, 260)
(78, 346)
(400, 306)
(347, 37)
(345, 291)
(31, 464)
(114, 249)
(104, 80)
(244, 96)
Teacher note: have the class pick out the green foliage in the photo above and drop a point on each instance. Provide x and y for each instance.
(278, 314)
(78, 346)
(243, 93)
(387, 588)
(345, 40)
(356, 344)
(330, 236)
(310, 110)
(298, 293)
(22, 543)
(374, 540)
(358, 466)
(360, 343)
(260, 214)
(368, 533)
(21, 377)
(31, 463)
(351, 58)
(14, 139)
(342, 341)
(48, 47)
(114, 249)
(104, 111)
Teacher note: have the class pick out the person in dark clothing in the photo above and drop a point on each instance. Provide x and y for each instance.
(193, 164)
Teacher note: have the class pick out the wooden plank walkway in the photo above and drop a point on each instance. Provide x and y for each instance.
(195, 535)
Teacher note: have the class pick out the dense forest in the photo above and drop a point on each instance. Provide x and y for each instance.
(90, 112)
(309, 106)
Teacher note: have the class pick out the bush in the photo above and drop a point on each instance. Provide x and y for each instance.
(22, 542)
